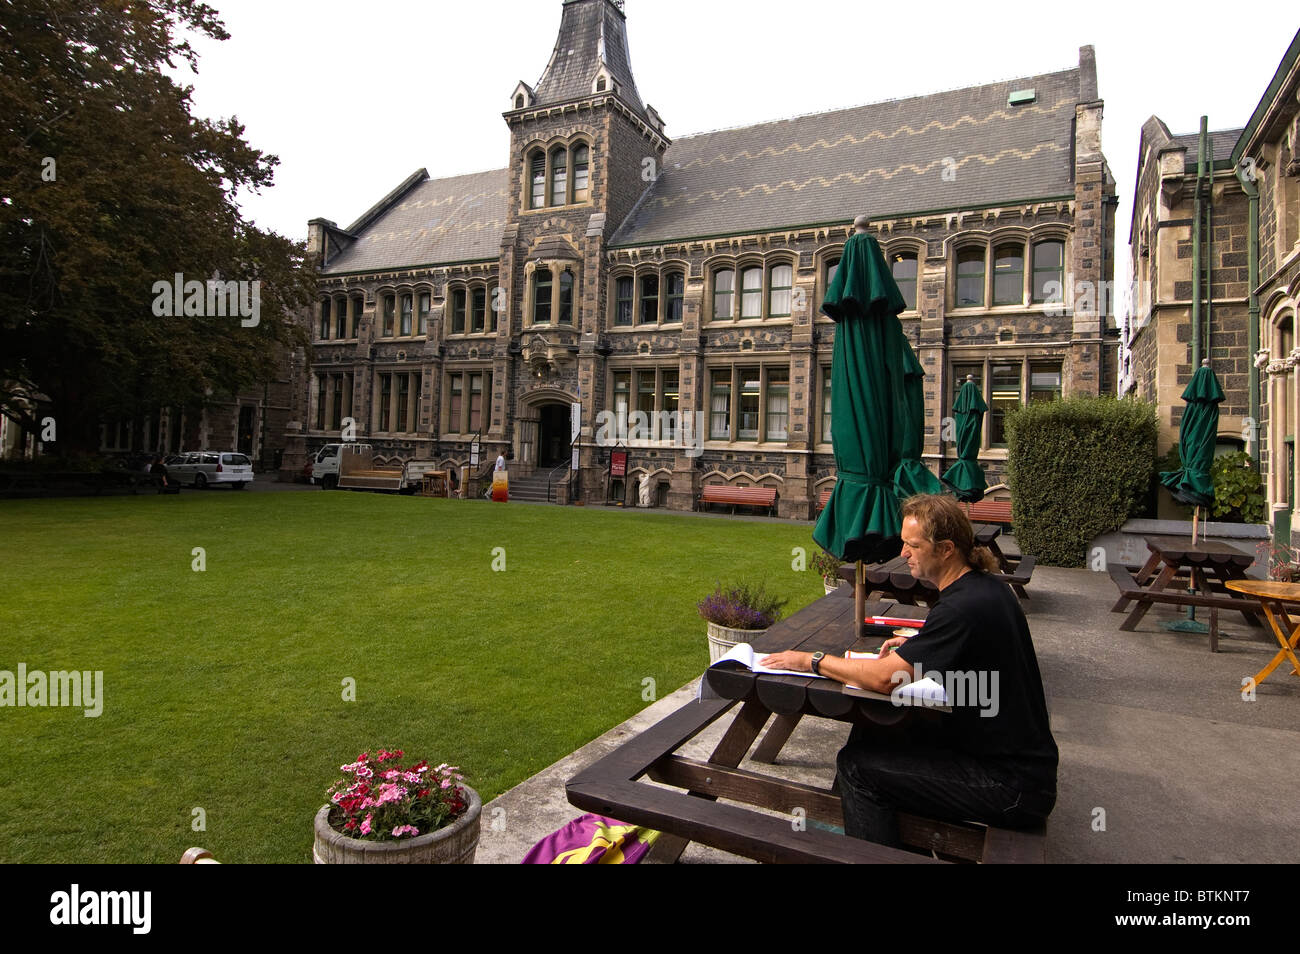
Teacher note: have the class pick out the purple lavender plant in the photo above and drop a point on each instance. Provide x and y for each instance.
(741, 607)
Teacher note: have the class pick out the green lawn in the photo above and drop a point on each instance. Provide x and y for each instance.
(223, 689)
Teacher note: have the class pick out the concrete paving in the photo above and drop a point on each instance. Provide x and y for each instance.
(1161, 758)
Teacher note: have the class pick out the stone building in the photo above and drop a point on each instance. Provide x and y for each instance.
(670, 289)
(1183, 314)
(1238, 308)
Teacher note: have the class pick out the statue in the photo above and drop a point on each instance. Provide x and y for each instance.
(643, 492)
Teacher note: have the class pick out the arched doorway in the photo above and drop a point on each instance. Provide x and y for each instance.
(552, 435)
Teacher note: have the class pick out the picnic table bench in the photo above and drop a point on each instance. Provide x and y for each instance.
(764, 497)
(990, 511)
(823, 499)
(1208, 565)
(689, 810)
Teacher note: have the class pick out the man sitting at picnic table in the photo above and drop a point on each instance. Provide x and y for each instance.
(993, 763)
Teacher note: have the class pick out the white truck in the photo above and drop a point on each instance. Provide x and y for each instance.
(350, 466)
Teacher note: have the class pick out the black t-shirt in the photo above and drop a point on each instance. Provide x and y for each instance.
(976, 642)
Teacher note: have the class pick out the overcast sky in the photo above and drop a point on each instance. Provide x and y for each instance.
(353, 97)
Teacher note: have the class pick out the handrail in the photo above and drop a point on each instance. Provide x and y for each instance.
(551, 480)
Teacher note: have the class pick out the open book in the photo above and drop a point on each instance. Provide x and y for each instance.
(923, 691)
(744, 654)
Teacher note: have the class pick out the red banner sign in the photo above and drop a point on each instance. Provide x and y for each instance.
(618, 464)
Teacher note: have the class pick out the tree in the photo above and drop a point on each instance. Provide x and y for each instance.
(108, 187)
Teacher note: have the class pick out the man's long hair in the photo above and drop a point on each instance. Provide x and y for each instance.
(942, 519)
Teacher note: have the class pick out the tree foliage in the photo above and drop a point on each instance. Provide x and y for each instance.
(108, 185)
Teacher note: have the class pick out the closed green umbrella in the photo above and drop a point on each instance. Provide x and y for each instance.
(1191, 484)
(912, 476)
(874, 409)
(965, 478)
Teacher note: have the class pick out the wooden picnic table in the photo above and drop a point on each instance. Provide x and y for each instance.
(1272, 595)
(689, 810)
(1209, 565)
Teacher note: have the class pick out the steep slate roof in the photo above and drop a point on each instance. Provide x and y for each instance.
(591, 32)
(437, 221)
(883, 159)
(1221, 143)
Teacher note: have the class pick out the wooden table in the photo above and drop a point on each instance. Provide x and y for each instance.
(689, 811)
(1271, 596)
(1208, 564)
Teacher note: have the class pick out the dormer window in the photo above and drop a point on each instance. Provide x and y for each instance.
(601, 84)
(519, 101)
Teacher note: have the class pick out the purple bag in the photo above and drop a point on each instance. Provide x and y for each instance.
(593, 840)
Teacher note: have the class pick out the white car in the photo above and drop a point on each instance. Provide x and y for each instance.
(213, 467)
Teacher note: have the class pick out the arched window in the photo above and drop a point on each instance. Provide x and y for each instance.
(390, 312)
(724, 286)
(970, 278)
(1009, 275)
(674, 291)
(1049, 271)
(407, 311)
(600, 85)
(623, 300)
(559, 176)
(648, 311)
(325, 320)
(779, 294)
(581, 173)
(458, 311)
(542, 296)
(340, 318)
(903, 267)
(751, 293)
(566, 297)
(537, 175)
(519, 101)
(478, 310)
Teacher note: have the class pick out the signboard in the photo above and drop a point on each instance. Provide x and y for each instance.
(473, 454)
(618, 463)
(574, 465)
(575, 421)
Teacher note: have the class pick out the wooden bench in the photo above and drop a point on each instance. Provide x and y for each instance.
(823, 499)
(1019, 577)
(764, 497)
(991, 511)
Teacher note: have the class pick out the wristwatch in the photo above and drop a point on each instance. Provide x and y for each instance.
(817, 661)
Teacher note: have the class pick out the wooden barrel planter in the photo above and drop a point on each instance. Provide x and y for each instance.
(722, 638)
(453, 845)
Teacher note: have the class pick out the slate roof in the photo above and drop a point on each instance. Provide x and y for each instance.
(591, 32)
(883, 159)
(1222, 142)
(437, 221)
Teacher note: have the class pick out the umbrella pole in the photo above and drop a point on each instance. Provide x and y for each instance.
(1195, 514)
(860, 601)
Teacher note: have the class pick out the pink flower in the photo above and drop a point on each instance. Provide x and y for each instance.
(446, 783)
(392, 774)
(411, 777)
(364, 772)
(365, 825)
(401, 830)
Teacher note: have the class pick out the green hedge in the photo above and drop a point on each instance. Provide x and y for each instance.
(1077, 468)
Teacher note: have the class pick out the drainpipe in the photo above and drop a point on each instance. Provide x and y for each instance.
(1252, 264)
(1209, 238)
(1196, 249)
